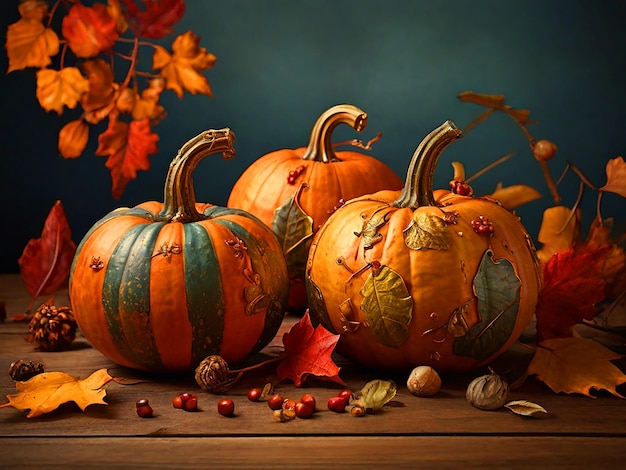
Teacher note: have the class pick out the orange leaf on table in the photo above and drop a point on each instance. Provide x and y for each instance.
(28, 42)
(45, 263)
(616, 177)
(576, 365)
(127, 146)
(180, 69)
(308, 353)
(89, 30)
(58, 88)
(47, 391)
(157, 17)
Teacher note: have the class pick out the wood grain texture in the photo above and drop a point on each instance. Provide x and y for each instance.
(441, 431)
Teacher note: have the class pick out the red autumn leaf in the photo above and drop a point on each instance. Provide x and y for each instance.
(89, 30)
(46, 261)
(157, 18)
(308, 353)
(573, 285)
(127, 147)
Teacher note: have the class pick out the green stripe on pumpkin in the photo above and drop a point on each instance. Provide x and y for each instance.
(205, 298)
(126, 296)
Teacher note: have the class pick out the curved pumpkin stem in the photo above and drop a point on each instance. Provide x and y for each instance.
(418, 187)
(320, 146)
(179, 200)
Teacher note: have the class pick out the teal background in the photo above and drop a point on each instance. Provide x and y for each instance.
(281, 63)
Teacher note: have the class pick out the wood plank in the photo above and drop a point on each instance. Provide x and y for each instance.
(316, 452)
(441, 431)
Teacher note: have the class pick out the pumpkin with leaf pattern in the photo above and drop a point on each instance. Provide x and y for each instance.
(409, 280)
(294, 191)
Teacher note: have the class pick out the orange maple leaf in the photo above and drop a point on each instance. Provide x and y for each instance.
(308, 353)
(28, 42)
(73, 138)
(560, 230)
(45, 262)
(576, 365)
(89, 30)
(58, 88)
(147, 106)
(47, 391)
(616, 177)
(99, 100)
(127, 146)
(180, 69)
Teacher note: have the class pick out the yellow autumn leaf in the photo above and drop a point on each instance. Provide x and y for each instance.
(46, 392)
(514, 196)
(576, 365)
(559, 230)
(28, 42)
(181, 69)
(615, 176)
(56, 89)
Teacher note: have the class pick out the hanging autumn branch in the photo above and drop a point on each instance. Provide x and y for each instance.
(96, 40)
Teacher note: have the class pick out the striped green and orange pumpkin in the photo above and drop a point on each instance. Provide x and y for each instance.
(160, 286)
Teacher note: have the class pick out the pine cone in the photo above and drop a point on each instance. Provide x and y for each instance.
(52, 328)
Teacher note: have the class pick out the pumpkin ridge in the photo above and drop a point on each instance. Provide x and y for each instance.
(200, 280)
(126, 301)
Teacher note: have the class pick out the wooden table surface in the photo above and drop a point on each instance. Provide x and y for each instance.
(437, 432)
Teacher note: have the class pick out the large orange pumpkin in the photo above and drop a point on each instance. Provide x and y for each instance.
(160, 286)
(295, 190)
(407, 280)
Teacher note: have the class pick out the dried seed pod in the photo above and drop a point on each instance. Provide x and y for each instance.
(488, 392)
(52, 328)
(22, 370)
(213, 375)
(423, 381)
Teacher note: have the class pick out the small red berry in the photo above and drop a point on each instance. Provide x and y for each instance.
(191, 404)
(275, 402)
(254, 394)
(337, 404)
(347, 394)
(304, 409)
(177, 402)
(308, 399)
(226, 407)
(144, 410)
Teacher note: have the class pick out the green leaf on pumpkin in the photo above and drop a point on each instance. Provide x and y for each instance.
(294, 229)
(498, 288)
(388, 306)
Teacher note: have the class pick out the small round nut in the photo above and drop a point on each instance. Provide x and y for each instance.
(424, 381)
(488, 392)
